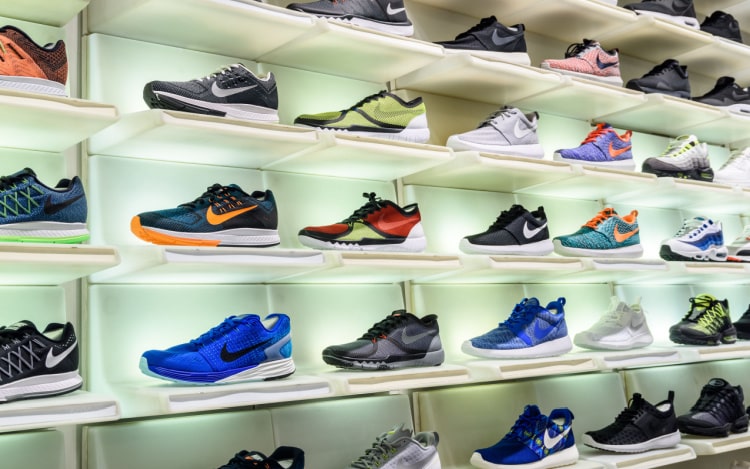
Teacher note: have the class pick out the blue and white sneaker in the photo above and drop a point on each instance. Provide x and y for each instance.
(534, 442)
(606, 235)
(530, 332)
(699, 239)
(602, 147)
(242, 348)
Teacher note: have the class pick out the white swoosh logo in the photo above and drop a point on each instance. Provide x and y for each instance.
(519, 132)
(392, 11)
(410, 339)
(53, 360)
(550, 442)
(222, 93)
(531, 233)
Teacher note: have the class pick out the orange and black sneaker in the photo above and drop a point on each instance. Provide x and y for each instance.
(606, 235)
(221, 216)
(379, 225)
(27, 66)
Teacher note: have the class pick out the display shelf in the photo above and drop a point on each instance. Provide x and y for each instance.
(730, 128)
(52, 264)
(509, 369)
(722, 57)
(653, 458)
(51, 12)
(603, 270)
(704, 446)
(347, 382)
(693, 353)
(727, 273)
(477, 269)
(647, 356)
(595, 183)
(78, 407)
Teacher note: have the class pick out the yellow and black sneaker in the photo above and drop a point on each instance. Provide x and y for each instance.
(707, 323)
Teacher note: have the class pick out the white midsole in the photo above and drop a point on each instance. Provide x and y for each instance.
(539, 248)
(237, 236)
(35, 85)
(550, 348)
(636, 250)
(41, 385)
(563, 458)
(686, 20)
(665, 441)
(628, 165)
(239, 111)
(613, 80)
(415, 242)
(529, 151)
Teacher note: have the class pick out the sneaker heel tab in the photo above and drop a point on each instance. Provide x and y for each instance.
(670, 396)
(561, 300)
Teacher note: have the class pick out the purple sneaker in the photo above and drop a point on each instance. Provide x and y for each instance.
(602, 147)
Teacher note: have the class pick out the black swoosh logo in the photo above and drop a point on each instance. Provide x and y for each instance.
(50, 208)
(228, 356)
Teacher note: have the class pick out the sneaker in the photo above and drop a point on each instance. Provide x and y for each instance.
(668, 78)
(388, 16)
(602, 147)
(703, 242)
(676, 11)
(720, 409)
(27, 66)
(727, 94)
(736, 170)
(31, 212)
(740, 465)
(742, 325)
(530, 332)
(490, 39)
(706, 323)
(739, 250)
(534, 441)
(241, 348)
(401, 340)
(378, 225)
(221, 216)
(232, 91)
(640, 427)
(622, 327)
(685, 157)
(588, 60)
(516, 231)
(399, 448)
(507, 132)
(36, 364)
(382, 115)
(283, 457)
(722, 24)
(606, 235)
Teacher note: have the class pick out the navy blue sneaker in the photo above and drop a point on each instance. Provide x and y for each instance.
(242, 348)
(534, 441)
(284, 457)
(530, 332)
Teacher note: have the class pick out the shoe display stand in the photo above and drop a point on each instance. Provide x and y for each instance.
(53, 13)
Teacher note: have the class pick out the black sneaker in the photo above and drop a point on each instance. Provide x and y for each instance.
(492, 40)
(727, 93)
(677, 11)
(669, 78)
(707, 323)
(35, 364)
(283, 457)
(399, 341)
(742, 325)
(516, 231)
(233, 91)
(719, 410)
(723, 25)
(640, 427)
(388, 16)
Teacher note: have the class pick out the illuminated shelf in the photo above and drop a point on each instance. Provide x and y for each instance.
(51, 12)
(646, 356)
(347, 382)
(508, 369)
(52, 264)
(78, 407)
(478, 269)
(648, 459)
(706, 446)
(694, 353)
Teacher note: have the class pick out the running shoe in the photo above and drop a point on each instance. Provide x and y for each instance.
(283, 457)
(606, 235)
(602, 147)
(31, 212)
(622, 327)
(400, 448)
(722, 24)
(727, 94)
(382, 115)
(507, 132)
(640, 427)
(232, 91)
(703, 242)
(378, 225)
(388, 16)
(739, 249)
(719, 410)
(531, 331)
(401, 340)
(36, 364)
(742, 325)
(706, 323)
(588, 60)
(516, 231)
(221, 216)
(685, 157)
(241, 348)
(736, 170)
(535, 441)
(490, 39)
(676, 11)
(669, 77)
(27, 66)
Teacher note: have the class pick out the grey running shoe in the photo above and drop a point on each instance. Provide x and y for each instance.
(622, 327)
(507, 131)
(669, 77)
(397, 449)
(676, 11)
(388, 16)
(685, 157)
(492, 40)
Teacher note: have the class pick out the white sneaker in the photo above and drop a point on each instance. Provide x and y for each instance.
(699, 239)
(685, 157)
(739, 250)
(507, 131)
(622, 327)
(736, 170)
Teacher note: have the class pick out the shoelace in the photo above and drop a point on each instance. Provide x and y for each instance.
(212, 194)
(523, 423)
(600, 217)
(227, 325)
(380, 451)
(678, 146)
(688, 225)
(373, 204)
(737, 158)
(702, 311)
(221, 71)
(577, 49)
(519, 317)
(714, 402)
(659, 69)
(10, 182)
(503, 113)
(596, 133)
(366, 100)
(699, 229)
(477, 27)
(631, 412)
(380, 330)
(505, 217)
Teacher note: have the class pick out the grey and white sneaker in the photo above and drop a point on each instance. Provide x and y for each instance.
(388, 16)
(507, 131)
(685, 157)
(736, 170)
(397, 448)
(622, 327)
(739, 249)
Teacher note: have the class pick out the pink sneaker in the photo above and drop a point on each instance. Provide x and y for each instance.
(588, 60)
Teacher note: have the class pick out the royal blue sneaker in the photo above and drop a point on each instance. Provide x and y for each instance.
(242, 348)
(535, 441)
(602, 147)
(530, 332)
(605, 235)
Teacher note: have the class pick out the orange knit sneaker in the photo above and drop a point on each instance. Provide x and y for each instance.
(27, 66)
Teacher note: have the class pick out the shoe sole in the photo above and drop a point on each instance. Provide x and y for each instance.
(703, 174)
(539, 248)
(551, 348)
(647, 89)
(528, 151)
(44, 232)
(661, 442)
(565, 457)
(42, 385)
(33, 85)
(625, 165)
(230, 238)
(710, 255)
(688, 21)
(415, 242)
(434, 358)
(171, 102)
(266, 371)
(399, 29)
(630, 252)
(728, 336)
(415, 132)
(738, 426)
(614, 81)
(520, 58)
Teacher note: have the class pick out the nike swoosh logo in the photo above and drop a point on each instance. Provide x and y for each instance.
(501, 41)
(53, 360)
(215, 219)
(223, 93)
(50, 208)
(620, 237)
(392, 11)
(228, 356)
(603, 65)
(383, 225)
(410, 339)
(519, 132)
(531, 233)
(551, 441)
(541, 332)
(615, 153)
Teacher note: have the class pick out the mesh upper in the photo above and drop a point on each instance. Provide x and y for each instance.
(534, 325)
(23, 57)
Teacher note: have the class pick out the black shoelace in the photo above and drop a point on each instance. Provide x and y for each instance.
(373, 204)
(383, 328)
(212, 194)
(578, 47)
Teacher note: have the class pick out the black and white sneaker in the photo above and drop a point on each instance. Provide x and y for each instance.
(388, 16)
(35, 364)
(720, 409)
(516, 232)
(669, 78)
(722, 24)
(677, 11)
(640, 427)
(233, 91)
(492, 40)
(727, 93)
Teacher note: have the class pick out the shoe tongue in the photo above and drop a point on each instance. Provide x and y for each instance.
(532, 302)
(396, 433)
(637, 401)
(23, 173)
(724, 82)
(609, 211)
(717, 383)
(20, 325)
(531, 410)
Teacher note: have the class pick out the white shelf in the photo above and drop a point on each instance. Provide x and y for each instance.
(507, 369)
(706, 446)
(78, 407)
(693, 353)
(347, 382)
(654, 458)
(647, 356)
(51, 12)
(52, 264)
